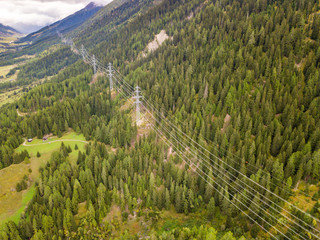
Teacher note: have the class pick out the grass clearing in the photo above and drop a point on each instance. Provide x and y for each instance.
(304, 201)
(170, 219)
(4, 70)
(26, 197)
(9, 42)
(13, 203)
(71, 138)
(82, 210)
(48, 147)
(10, 96)
(15, 93)
(7, 39)
(299, 199)
(10, 199)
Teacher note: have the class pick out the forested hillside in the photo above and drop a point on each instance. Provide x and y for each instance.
(6, 31)
(36, 42)
(239, 77)
(45, 65)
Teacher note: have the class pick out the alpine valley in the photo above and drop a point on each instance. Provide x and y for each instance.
(163, 119)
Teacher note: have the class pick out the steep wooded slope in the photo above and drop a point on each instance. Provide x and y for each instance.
(254, 61)
(240, 77)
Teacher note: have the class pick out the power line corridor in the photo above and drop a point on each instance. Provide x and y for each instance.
(271, 212)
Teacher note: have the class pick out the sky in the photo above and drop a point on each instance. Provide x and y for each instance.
(30, 15)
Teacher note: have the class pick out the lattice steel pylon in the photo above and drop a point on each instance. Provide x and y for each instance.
(94, 64)
(110, 72)
(137, 103)
(82, 52)
(71, 44)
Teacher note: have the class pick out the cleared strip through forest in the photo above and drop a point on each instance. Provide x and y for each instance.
(269, 207)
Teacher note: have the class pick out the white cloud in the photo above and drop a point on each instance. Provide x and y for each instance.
(26, 15)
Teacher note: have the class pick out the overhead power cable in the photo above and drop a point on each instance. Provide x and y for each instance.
(198, 152)
(208, 165)
(263, 209)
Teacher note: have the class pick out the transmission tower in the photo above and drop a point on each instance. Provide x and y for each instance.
(137, 102)
(61, 36)
(94, 64)
(71, 44)
(110, 76)
(82, 52)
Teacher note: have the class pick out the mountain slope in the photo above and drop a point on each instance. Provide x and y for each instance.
(109, 20)
(65, 25)
(240, 77)
(6, 31)
(106, 10)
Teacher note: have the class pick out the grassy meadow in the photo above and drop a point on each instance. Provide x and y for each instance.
(13, 203)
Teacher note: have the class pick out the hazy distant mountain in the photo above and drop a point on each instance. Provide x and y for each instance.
(6, 31)
(26, 28)
(65, 25)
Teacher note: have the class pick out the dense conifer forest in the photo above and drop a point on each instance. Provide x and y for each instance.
(241, 78)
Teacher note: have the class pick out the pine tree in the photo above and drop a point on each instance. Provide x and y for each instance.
(211, 208)
(209, 187)
(167, 199)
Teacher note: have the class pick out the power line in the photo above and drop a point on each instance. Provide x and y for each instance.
(187, 137)
(297, 223)
(254, 203)
(248, 164)
(186, 162)
(208, 165)
(281, 208)
(249, 199)
(118, 77)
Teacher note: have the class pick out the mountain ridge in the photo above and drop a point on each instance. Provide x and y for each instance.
(64, 25)
(7, 31)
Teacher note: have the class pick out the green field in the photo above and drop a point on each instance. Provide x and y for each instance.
(10, 96)
(13, 203)
(6, 42)
(52, 143)
(26, 197)
(4, 70)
